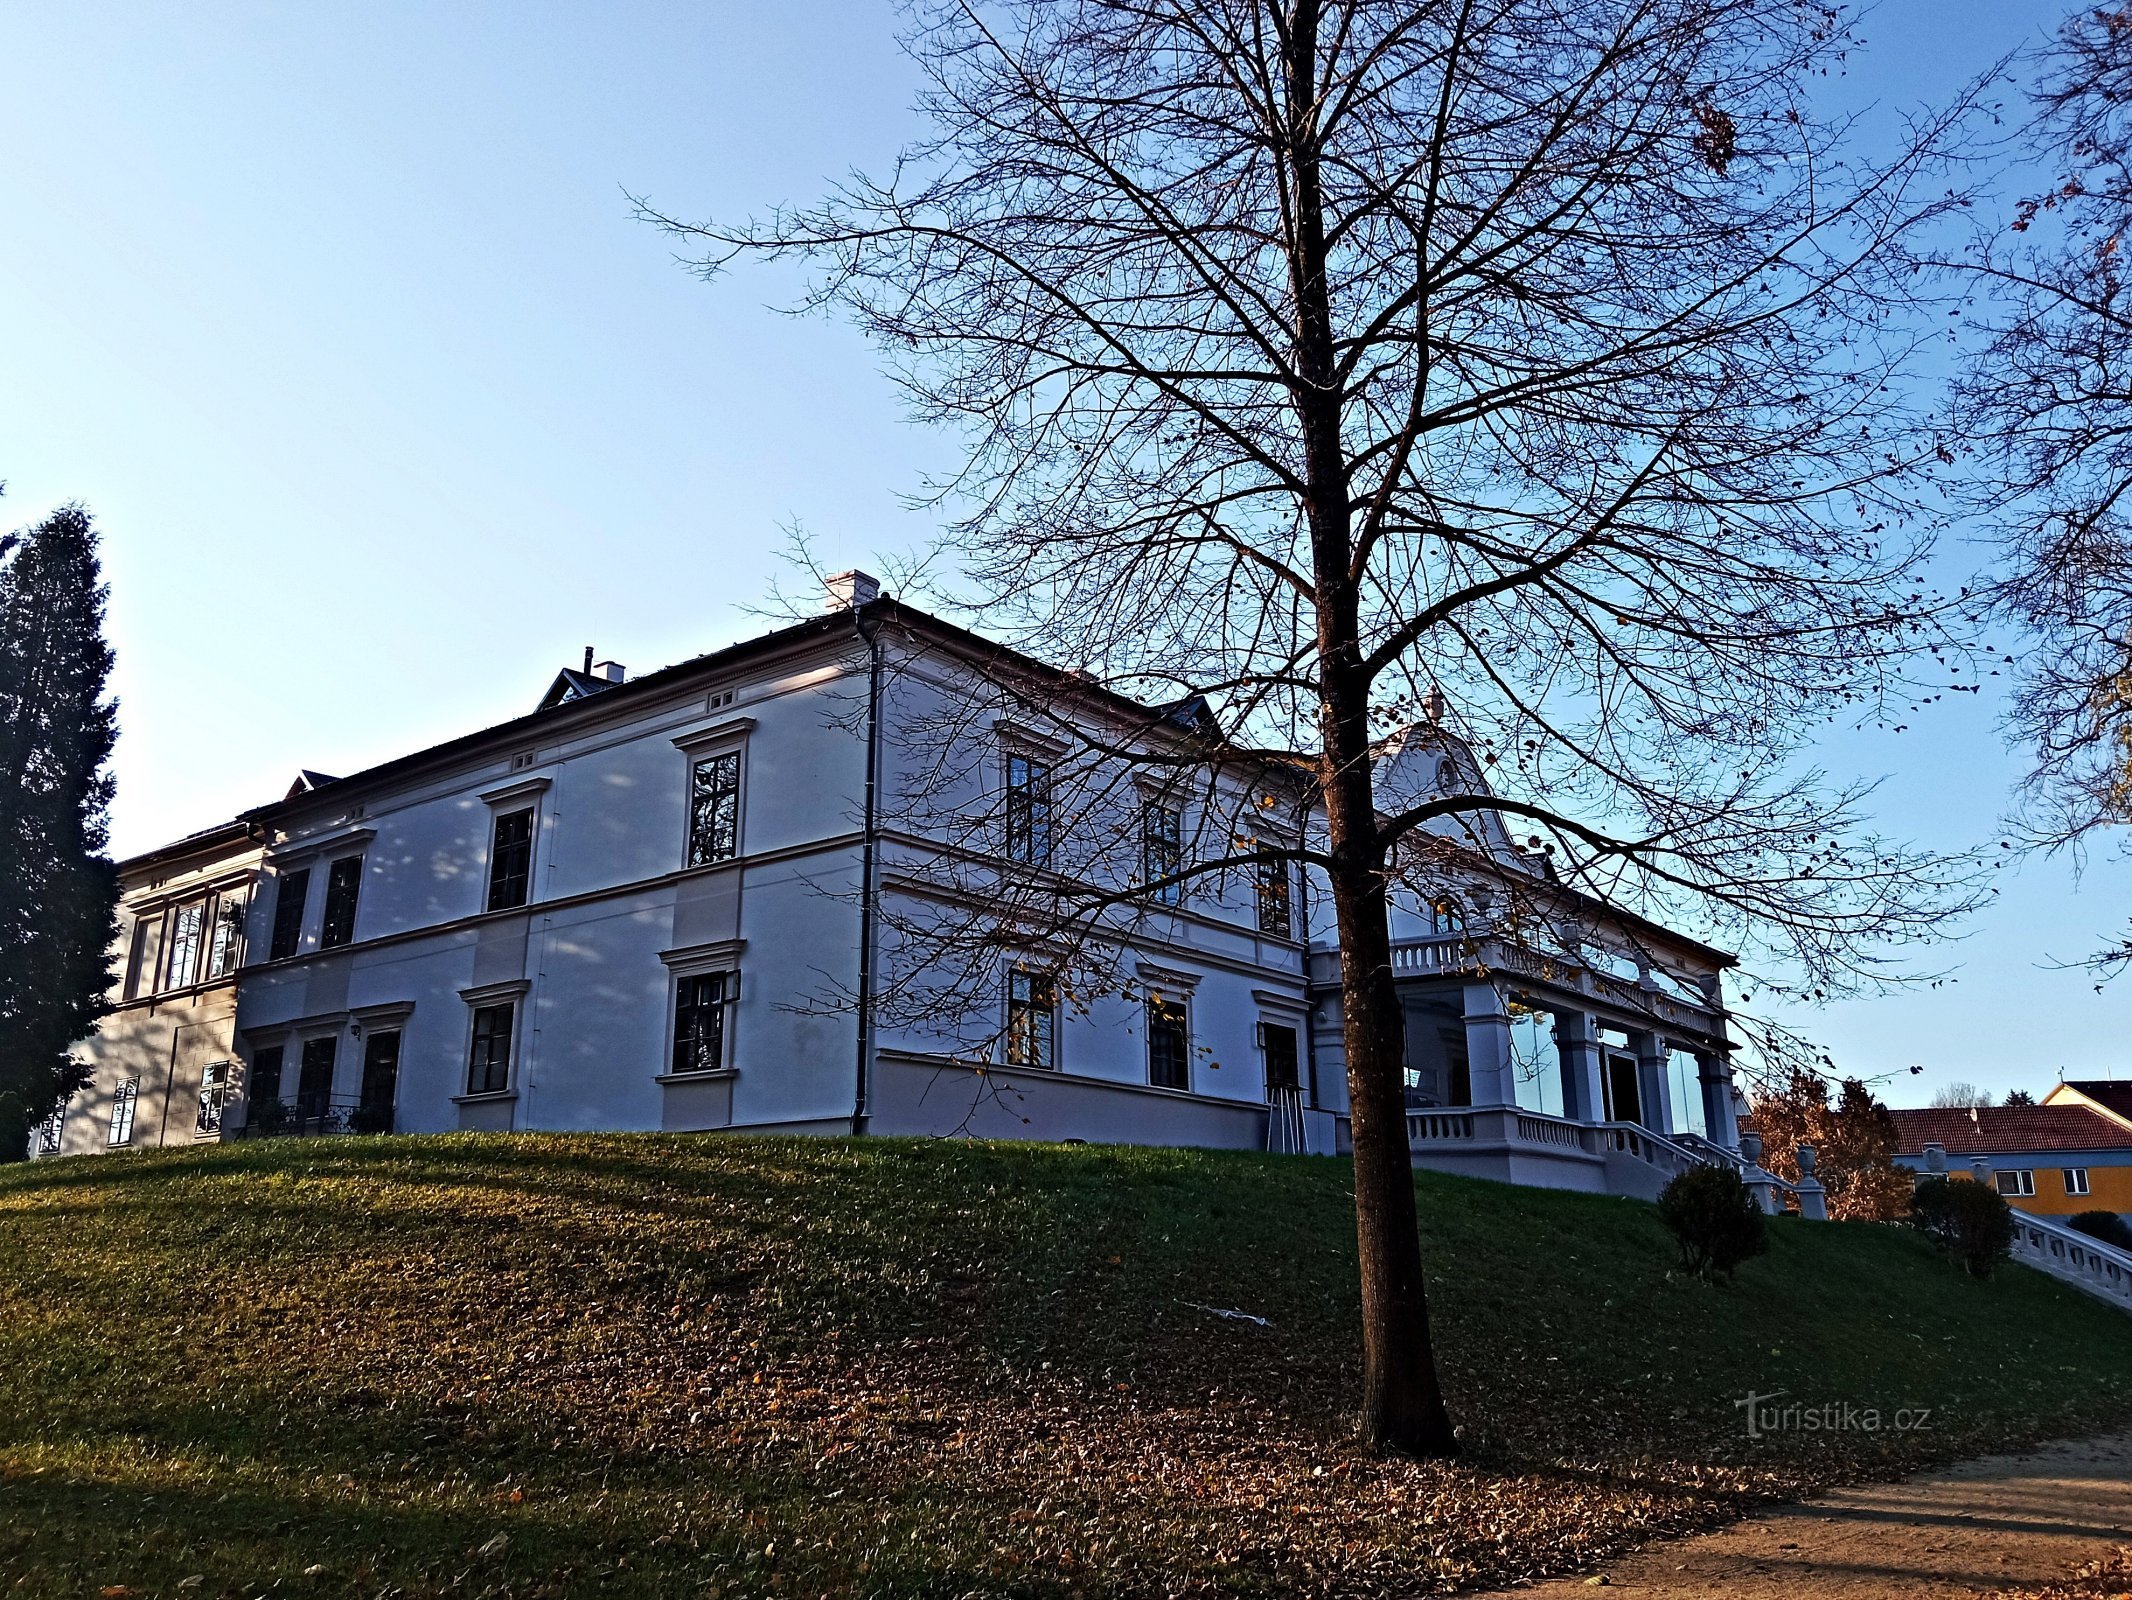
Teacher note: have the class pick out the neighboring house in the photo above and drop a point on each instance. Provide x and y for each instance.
(164, 1061)
(2059, 1158)
(691, 901)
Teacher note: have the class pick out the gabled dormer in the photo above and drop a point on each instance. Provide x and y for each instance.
(573, 684)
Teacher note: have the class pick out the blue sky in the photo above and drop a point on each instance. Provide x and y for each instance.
(336, 317)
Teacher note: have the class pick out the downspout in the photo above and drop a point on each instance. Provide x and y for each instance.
(1310, 998)
(863, 1070)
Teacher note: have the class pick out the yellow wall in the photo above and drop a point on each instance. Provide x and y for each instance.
(2109, 1188)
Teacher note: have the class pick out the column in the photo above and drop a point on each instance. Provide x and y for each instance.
(1654, 1084)
(1488, 1060)
(1583, 1094)
(1714, 1073)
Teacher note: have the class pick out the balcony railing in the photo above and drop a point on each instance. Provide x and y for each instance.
(308, 1116)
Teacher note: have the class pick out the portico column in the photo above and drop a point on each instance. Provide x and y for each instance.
(1488, 1062)
(1583, 1091)
(1654, 1084)
(1714, 1073)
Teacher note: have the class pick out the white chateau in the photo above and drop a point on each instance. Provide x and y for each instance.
(693, 901)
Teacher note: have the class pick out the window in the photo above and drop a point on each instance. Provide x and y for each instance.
(344, 881)
(1273, 912)
(1280, 1045)
(488, 1062)
(1028, 810)
(225, 949)
(1446, 919)
(49, 1131)
(265, 1085)
(186, 925)
(289, 902)
(1169, 1044)
(381, 1081)
(146, 954)
(1032, 1020)
(511, 860)
(214, 1096)
(1162, 852)
(2017, 1182)
(314, 1077)
(122, 1103)
(699, 1021)
(714, 809)
(2076, 1180)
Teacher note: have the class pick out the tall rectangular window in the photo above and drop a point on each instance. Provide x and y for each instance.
(699, 1022)
(1028, 810)
(1169, 1044)
(214, 1096)
(488, 1062)
(1273, 909)
(344, 881)
(1281, 1064)
(123, 1100)
(50, 1131)
(290, 898)
(1032, 1020)
(381, 1081)
(314, 1077)
(264, 1085)
(137, 959)
(1162, 852)
(187, 924)
(225, 949)
(714, 809)
(511, 860)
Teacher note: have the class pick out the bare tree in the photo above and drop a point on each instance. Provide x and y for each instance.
(1312, 357)
(2048, 402)
(1959, 1096)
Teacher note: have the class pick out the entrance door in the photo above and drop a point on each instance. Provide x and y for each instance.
(1623, 1101)
(381, 1082)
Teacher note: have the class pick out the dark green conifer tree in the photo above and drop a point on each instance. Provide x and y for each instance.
(58, 887)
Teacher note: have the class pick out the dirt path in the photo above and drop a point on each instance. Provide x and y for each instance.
(2005, 1522)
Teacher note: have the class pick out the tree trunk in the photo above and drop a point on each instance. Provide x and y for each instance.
(1402, 1405)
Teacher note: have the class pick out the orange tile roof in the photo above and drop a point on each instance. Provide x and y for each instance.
(2008, 1130)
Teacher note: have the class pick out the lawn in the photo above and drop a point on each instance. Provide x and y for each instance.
(546, 1365)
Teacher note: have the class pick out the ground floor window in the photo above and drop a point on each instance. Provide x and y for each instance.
(314, 1077)
(1032, 1020)
(123, 1100)
(214, 1097)
(700, 1000)
(1281, 1064)
(1169, 1044)
(488, 1064)
(2076, 1180)
(381, 1081)
(48, 1132)
(2017, 1182)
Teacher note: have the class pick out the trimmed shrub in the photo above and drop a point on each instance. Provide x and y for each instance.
(1968, 1220)
(2107, 1226)
(1714, 1218)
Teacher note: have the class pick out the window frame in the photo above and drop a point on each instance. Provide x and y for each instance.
(226, 930)
(192, 945)
(336, 923)
(522, 850)
(719, 1009)
(2075, 1180)
(711, 855)
(1027, 834)
(476, 1011)
(1161, 1001)
(2024, 1179)
(1039, 1008)
(285, 939)
(1273, 893)
(1266, 1029)
(1171, 848)
(125, 1105)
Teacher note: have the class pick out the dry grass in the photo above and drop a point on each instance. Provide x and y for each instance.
(543, 1365)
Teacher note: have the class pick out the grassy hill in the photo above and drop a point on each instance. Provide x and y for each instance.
(542, 1365)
